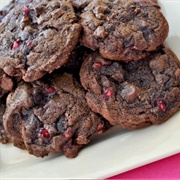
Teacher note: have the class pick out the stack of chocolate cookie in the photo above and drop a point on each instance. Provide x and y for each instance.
(73, 68)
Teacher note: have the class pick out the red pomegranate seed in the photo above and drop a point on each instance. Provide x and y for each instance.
(44, 132)
(26, 10)
(50, 89)
(16, 44)
(161, 104)
(97, 65)
(108, 93)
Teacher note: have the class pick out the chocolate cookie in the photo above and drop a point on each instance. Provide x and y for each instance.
(123, 29)
(51, 116)
(134, 94)
(37, 38)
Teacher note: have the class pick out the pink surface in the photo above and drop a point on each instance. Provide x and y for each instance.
(165, 168)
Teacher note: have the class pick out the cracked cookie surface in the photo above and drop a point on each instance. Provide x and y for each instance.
(134, 94)
(6, 84)
(123, 29)
(37, 38)
(52, 116)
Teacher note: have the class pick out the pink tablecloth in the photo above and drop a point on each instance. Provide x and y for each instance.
(165, 168)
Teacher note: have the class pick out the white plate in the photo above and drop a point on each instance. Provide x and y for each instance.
(115, 152)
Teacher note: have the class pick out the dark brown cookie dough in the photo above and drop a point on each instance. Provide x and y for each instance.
(4, 136)
(134, 94)
(52, 116)
(75, 60)
(37, 38)
(80, 3)
(123, 29)
(6, 84)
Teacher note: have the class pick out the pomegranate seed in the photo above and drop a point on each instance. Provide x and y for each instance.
(108, 93)
(26, 10)
(50, 89)
(16, 44)
(161, 104)
(97, 65)
(44, 132)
